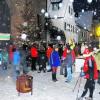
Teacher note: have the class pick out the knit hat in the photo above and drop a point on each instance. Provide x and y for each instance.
(86, 51)
(55, 46)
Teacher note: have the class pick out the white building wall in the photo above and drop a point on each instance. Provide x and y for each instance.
(66, 17)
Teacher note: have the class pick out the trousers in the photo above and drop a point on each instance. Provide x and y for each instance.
(89, 85)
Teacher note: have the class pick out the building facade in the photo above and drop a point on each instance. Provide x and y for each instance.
(61, 14)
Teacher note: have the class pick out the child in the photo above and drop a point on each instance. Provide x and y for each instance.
(54, 62)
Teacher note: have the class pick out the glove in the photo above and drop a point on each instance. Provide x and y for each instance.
(82, 74)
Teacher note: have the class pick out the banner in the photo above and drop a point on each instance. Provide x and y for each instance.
(4, 36)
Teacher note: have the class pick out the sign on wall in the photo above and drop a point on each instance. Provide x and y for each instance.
(4, 36)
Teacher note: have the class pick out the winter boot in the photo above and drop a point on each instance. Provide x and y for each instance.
(54, 77)
(81, 98)
(89, 98)
(44, 70)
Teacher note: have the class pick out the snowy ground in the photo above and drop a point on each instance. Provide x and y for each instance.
(43, 88)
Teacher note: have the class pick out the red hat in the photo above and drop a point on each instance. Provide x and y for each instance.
(86, 51)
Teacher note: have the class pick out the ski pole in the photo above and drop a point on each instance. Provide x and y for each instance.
(76, 83)
(78, 89)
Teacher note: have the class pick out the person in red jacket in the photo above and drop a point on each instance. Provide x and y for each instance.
(91, 74)
(63, 65)
(34, 55)
(49, 51)
(48, 54)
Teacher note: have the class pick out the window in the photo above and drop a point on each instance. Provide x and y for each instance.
(73, 29)
(82, 34)
(64, 25)
(55, 4)
(69, 9)
(55, 7)
(68, 27)
(56, 1)
(76, 29)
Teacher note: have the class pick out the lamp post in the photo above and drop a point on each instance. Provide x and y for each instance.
(45, 12)
(46, 23)
(46, 15)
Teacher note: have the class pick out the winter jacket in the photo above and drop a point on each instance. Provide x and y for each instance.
(16, 58)
(42, 57)
(64, 55)
(11, 48)
(48, 52)
(90, 70)
(5, 56)
(68, 60)
(73, 56)
(34, 52)
(28, 60)
(55, 59)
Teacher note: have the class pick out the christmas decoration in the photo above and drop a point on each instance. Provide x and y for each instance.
(29, 26)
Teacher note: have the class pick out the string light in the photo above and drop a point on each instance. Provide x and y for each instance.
(42, 11)
(71, 0)
(89, 1)
(46, 14)
(82, 10)
(60, 5)
(58, 37)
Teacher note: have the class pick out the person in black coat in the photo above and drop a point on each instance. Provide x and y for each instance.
(42, 59)
(28, 61)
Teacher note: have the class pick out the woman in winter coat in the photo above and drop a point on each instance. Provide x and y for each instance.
(69, 62)
(48, 53)
(54, 62)
(34, 55)
(5, 58)
(91, 74)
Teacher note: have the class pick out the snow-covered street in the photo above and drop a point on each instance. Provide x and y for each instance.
(43, 87)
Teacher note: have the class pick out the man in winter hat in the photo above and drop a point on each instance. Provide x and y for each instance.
(91, 74)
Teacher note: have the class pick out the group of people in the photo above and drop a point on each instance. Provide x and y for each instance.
(90, 70)
(54, 56)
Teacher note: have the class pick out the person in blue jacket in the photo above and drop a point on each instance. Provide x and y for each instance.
(16, 63)
(0, 57)
(54, 62)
